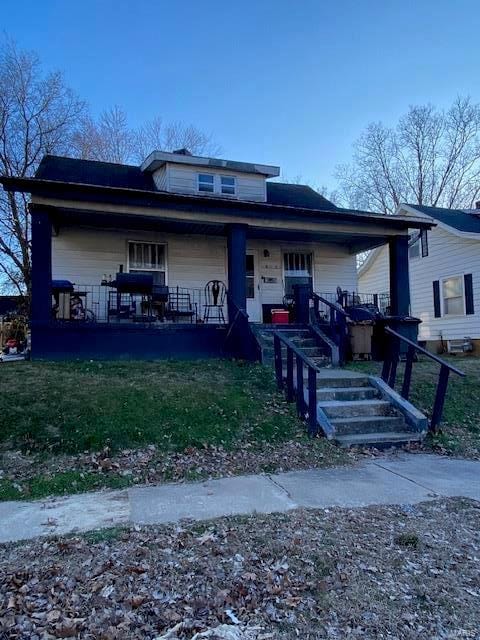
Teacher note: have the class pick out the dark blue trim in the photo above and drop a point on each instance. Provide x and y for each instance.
(41, 305)
(70, 341)
(237, 248)
(399, 279)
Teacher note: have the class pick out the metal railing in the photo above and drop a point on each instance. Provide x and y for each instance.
(240, 341)
(294, 385)
(390, 365)
(331, 312)
(103, 304)
(351, 298)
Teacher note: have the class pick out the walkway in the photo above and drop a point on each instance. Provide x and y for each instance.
(402, 479)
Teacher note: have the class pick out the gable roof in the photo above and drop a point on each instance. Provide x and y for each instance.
(456, 218)
(110, 174)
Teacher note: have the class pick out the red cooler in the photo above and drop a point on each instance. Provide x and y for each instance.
(280, 316)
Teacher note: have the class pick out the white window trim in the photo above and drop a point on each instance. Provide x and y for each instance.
(203, 173)
(234, 178)
(453, 315)
(159, 244)
(289, 250)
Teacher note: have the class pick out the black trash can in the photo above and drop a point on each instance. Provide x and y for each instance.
(406, 326)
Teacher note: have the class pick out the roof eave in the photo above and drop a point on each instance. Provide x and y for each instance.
(36, 186)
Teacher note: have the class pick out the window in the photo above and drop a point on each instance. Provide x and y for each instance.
(205, 182)
(297, 269)
(250, 275)
(227, 185)
(453, 296)
(147, 257)
(414, 247)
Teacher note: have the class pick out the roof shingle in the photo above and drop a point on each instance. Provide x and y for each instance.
(456, 218)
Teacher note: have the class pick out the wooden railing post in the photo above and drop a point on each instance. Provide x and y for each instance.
(395, 354)
(439, 398)
(407, 376)
(290, 388)
(277, 345)
(312, 402)
(299, 390)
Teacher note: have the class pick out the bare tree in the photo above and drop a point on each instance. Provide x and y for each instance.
(431, 157)
(112, 140)
(38, 113)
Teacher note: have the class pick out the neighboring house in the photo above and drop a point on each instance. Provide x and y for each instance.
(181, 221)
(444, 265)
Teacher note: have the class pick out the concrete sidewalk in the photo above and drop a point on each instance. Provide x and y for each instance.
(402, 479)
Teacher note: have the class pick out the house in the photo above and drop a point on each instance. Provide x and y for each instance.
(178, 222)
(444, 265)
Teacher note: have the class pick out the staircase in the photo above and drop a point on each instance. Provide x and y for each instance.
(353, 409)
(359, 410)
(300, 334)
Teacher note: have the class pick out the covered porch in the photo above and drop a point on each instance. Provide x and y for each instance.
(256, 257)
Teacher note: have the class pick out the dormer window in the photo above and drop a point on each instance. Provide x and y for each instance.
(227, 185)
(205, 182)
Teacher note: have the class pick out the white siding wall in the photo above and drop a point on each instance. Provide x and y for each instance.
(84, 255)
(184, 179)
(160, 178)
(448, 256)
(376, 279)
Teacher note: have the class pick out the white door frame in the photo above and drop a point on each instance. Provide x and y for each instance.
(254, 305)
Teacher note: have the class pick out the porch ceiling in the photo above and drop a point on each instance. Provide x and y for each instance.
(62, 217)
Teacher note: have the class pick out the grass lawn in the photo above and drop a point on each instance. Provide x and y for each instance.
(460, 429)
(53, 411)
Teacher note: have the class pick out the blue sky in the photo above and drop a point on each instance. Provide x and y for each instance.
(283, 82)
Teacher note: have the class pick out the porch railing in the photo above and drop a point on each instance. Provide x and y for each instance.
(294, 385)
(329, 312)
(390, 365)
(240, 341)
(99, 303)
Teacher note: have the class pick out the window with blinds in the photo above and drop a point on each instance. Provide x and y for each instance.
(148, 257)
(297, 269)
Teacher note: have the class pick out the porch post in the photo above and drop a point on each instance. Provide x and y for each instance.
(236, 247)
(399, 280)
(41, 303)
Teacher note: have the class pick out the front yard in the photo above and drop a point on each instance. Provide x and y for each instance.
(408, 572)
(69, 427)
(460, 429)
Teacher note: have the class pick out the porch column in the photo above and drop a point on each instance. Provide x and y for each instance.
(399, 280)
(41, 303)
(236, 247)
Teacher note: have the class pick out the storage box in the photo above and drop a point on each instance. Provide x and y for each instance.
(280, 316)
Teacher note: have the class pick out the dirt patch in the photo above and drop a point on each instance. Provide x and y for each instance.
(406, 572)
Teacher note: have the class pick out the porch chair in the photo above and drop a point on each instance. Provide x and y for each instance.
(215, 293)
(179, 306)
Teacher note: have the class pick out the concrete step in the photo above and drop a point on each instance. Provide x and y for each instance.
(355, 408)
(368, 424)
(381, 440)
(335, 379)
(347, 393)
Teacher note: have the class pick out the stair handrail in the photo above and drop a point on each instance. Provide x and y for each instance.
(239, 334)
(306, 410)
(389, 372)
(338, 323)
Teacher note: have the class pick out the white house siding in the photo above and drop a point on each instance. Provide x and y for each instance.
(184, 179)
(376, 277)
(449, 255)
(160, 178)
(85, 255)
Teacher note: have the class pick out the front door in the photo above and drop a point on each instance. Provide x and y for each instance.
(254, 305)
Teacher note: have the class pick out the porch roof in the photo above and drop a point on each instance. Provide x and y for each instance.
(339, 233)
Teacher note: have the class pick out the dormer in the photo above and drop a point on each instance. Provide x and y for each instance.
(181, 172)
